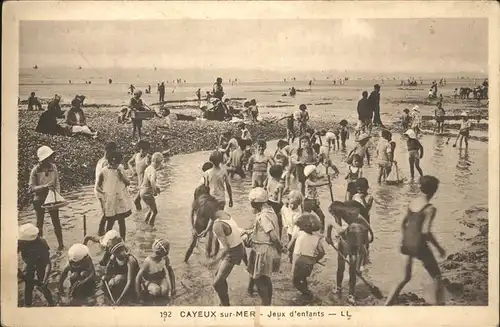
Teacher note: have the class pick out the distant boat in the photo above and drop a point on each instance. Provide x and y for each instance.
(79, 67)
(35, 67)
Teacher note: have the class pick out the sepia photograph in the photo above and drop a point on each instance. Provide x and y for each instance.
(197, 162)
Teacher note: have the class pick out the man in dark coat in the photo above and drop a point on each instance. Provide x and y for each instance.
(374, 99)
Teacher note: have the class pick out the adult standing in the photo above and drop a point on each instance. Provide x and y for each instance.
(266, 246)
(136, 104)
(161, 90)
(365, 115)
(218, 90)
(44, 178)
(374, 99)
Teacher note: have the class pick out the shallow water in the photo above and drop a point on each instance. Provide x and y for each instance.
(463, 175)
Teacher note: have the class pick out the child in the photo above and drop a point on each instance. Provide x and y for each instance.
(439, 116)
(140, 161)
(149, 188)
(352, 241)
(311, 199)
(235, 162)
(35, 254)
(415, 152)
(384, 155)
(406, 119)
(246, 138)
(366, 200)
(224, 142)
(324, 160)
(355, 172)
(290, 212)
(308, 249)
(275, 191)
(108, 148)
(303, 119)
(152, 277)
(330, 140)
(316, 136)
(417, 235)
(112, 185)
(305, 156)
(360, 149)
(282, 159)
(217, 180)
(105, 242)
(120, 274)
(258, 164)
(463, 134)
(82, 278)
(290, 128)
(455, 93)
(254, 110)
(416, 120)
(344, 132)
(44, 177)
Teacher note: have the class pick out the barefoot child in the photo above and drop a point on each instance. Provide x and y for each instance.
(290, 212)
(290, 128)
(217, 180)
(258, 164)
(384, 155)
(149, 188)
(112, 184)
(366, 200)
(344, 132)
(416, 120)
(463, 134)
(120, 274)
(406, 119)
(355, 172)
(352, 240)
(140, 161)
(108, 148)
(275, 191)
(439, 116)
(415, 153)
(105, 241)
(152, 277)
(417, 235)
(235, 162)
(307, 247)
(311, 199)
(81, 267)
(36, 255)
(224, 142)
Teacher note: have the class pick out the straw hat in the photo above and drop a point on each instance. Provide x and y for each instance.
(258, 195)
(77, 252)
(362, 137)
(161, 245)
(309, 169)
(28, 232)
(44, 152)
(411, 134)
(109, 236)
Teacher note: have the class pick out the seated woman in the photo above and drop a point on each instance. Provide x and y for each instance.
(81, 267)
(152, 277)
(121, 273)
(47, 123)
(75, 119)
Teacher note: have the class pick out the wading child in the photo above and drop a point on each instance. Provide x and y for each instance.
(311, 199)
(416, 120)
(152, 277)
(258, 164)
(366, 200)
(361, 149)
(331, 141)
(108, 148)
(216, 180)
(305, 156)
(232, 252)
(303, 119)
(308, 249)
(344, 132)
(120, 275)
(290, 128)
(224, 142)
(235, 162)
(290, 213)
(36, 255)
(351, 241)
(105, 242)
(417, 235)
(44, 178)
(463, 134)
(415, 153)
(149, 187)
(406, 119)
(282, 158)
(81, 267)
(324, 161)
(112, 184)
(384, 155)
(275, 191)
(140, 161)
(439, 116)
(355, 172)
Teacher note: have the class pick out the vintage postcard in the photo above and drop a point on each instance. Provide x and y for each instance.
(250, 163)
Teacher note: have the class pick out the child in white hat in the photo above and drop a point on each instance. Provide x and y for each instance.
(416, 120)
(44, 178)
(415, 152)
(105, 242)
(81, 267)
(311, 199)
(35, 254)
(465, 127)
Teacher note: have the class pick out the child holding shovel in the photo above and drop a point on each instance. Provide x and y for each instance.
(463, 134)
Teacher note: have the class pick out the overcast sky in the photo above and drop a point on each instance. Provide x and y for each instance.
(382, 45)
